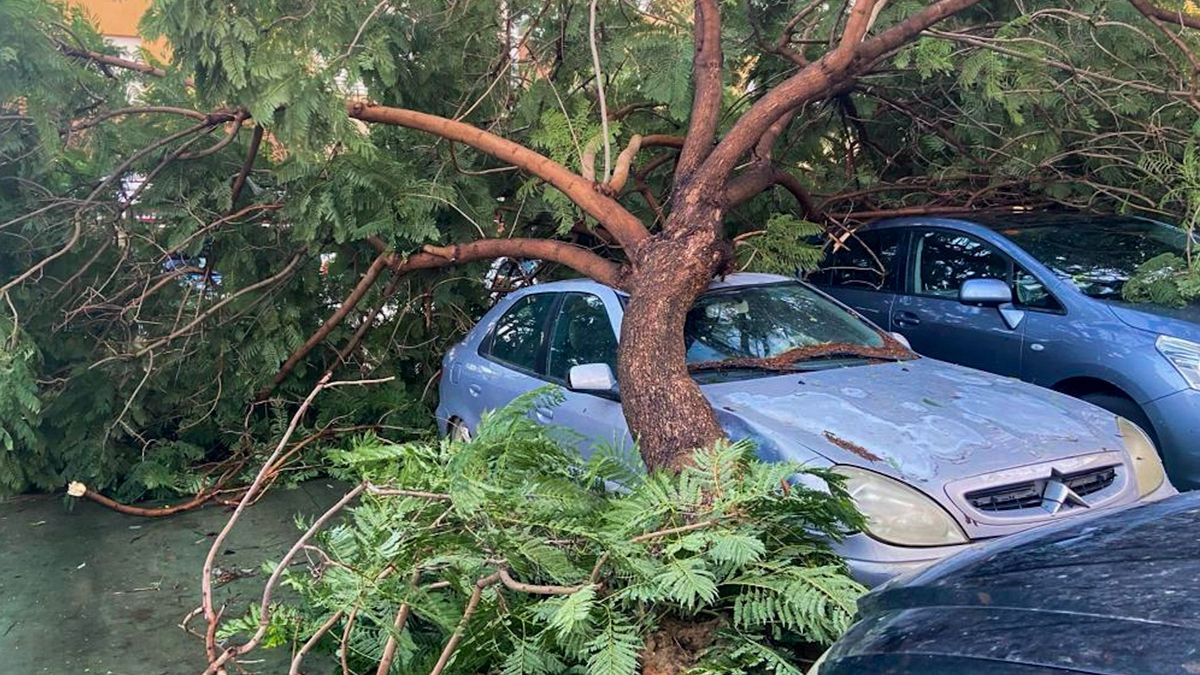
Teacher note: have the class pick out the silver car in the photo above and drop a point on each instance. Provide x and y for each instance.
(937, 456)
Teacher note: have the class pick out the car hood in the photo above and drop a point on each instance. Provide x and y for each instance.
(1111, 594)
(1181, 322)
(922, 421)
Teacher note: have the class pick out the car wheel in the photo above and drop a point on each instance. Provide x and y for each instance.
(458, 431)
(1125, 407)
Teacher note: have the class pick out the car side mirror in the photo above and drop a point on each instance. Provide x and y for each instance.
(985, 293)
(593, 378)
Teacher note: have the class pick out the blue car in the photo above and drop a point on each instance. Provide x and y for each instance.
(937, 456)
(1039, 298)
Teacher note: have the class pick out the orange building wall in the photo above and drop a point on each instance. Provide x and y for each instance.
(119, 19)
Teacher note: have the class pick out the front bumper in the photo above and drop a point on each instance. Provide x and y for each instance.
(873, 562)
(1176, 419)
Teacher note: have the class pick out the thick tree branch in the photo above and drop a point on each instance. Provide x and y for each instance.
(107, 60)
(432, 257)
(622, 224)
(706, 101)
(752, 183)
(576, 257)
(247, 166)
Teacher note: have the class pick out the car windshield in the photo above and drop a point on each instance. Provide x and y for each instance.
(1098, 256)
(776, 327)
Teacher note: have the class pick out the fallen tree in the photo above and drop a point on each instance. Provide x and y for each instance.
(161, 240)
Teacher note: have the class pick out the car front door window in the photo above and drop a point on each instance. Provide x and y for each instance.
(1031, 293)
(582, 334)
(944, 260)
(936, 323)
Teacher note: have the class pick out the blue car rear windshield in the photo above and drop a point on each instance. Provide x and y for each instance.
(1098, 256)
(766, 321)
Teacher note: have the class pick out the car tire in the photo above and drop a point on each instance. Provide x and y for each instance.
(1125, 407)
(457, 431)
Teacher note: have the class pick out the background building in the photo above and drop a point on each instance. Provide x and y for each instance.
(118, 20)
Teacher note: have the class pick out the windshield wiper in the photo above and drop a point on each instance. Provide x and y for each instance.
(741, 364)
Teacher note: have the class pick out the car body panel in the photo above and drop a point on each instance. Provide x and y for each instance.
(1089, 343)
(944, 328)
(1180, 322)
(922, 421)
(1111, 594)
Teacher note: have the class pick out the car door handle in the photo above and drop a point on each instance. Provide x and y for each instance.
(474, 389)
(906, 319)
(544, 415)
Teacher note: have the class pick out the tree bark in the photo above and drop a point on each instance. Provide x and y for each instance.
(666, 412)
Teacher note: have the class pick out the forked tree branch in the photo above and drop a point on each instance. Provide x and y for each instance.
(820, 78)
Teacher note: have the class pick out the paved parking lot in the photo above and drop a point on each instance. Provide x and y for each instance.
(89, 590)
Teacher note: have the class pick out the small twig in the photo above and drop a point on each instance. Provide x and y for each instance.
(600, 92)
(395, 492)
(389, 648)
(311, 642)
(535, 589)
(649, 536)
(16, 320)
(472, 605)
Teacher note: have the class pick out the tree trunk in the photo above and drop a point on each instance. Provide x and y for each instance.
(666, 412)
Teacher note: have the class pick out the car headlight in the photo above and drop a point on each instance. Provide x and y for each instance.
(1184, 355)
(899, 514)
(1147, 467)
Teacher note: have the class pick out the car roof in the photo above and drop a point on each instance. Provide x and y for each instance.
(729, 281)
(1003, 220)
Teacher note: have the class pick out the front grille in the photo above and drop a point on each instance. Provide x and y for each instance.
(1028, 495)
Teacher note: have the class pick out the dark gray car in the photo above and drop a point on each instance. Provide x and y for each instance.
(1112, 595)
(1038, 298)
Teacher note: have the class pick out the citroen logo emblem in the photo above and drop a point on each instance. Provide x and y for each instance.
(1056, 494)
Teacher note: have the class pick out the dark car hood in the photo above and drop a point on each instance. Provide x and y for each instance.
(1182, 322)
(1109, 594)
(923, 421)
